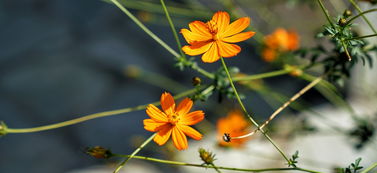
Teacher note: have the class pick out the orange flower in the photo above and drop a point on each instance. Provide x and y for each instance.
(212, 39)
(235, 125)
(173, 121)
(279, 41)
(269, 54)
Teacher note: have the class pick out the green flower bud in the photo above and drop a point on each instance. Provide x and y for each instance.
(347, 13)
(206, 156)
(342, 21)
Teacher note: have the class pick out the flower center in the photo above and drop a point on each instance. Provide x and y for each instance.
(212, 26)
(174, 118)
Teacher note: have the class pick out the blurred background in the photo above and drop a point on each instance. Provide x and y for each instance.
(60, 60)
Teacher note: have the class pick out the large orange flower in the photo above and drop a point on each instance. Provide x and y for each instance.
(279, 41)
(173, 121)
(212, 39)
(235, 125)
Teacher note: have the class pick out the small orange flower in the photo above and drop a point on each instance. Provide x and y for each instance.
(235, 125)
(280, 40)
(212, 39)
(173, 121)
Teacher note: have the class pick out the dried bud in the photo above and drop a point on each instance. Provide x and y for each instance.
(347, 13)
(206, 156)
(342, 21)
(99, 152)
(196, 81)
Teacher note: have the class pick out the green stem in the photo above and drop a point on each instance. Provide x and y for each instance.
(238, 12)
(156, 8)
(374, 165)
(346, 50)
(155, 79)
(145, 29)
(263, 75)
(247, 114)
(183, 56)
(360, 37)
(362, 13)
(215, 167)
(135, 152)
(326, 12)
(269, 93)
(89, 117)
(156, 38)
(211, 166)
(202, 71)
(286, 104)
(329, 92)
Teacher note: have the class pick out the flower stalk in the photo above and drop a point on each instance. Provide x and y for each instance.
(286, 104)
(134, 153)
(362, 14)
(6, 130)
(156, 38)
(246, 112)
(170, 162)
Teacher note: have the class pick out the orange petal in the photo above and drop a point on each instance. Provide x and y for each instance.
(228, 50)
(156, 114)
(269, 55)
(167, 103)
(179, 139)
(211, 55)
(189, 131)
(236, 26)
(222, 19)
(152, 125)
(184, 107)
(293, 41)
(192, 37)
(238, 37)
(200, 28)
(163, 135)
(197, 48)
(281, 36)
(192, 118)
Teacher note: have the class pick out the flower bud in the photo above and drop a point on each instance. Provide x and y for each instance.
(132, 71)
(347, 13)
(196, 81)
(99, 152)
(342, 22)
(3, 128)
(206, 156)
